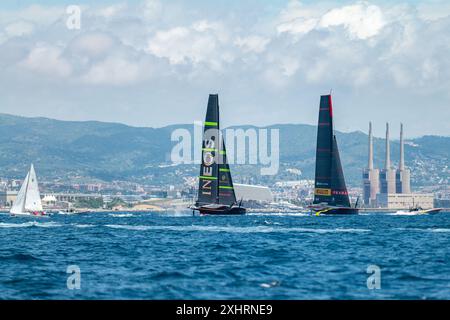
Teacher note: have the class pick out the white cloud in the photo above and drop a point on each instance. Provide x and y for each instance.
(255, 44)
(47, 59)
(435, 10)
(114, 71)
(362, 20)
(357, 48)
(201, 42)
(113, 10)
(93, 44)
(296, 18)
(152, 9)
(401, 75)
(39, 14)
(19, 28)
(174, 45)
(298, 26)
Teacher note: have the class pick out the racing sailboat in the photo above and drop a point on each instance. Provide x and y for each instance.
(28, 201)
(330, 191)
(216, 194)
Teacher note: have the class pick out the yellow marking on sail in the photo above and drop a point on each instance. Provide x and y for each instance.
(211, 124)
(224, 170)
(223, 152)
(322, 192)
(226, 187)
(210, 149)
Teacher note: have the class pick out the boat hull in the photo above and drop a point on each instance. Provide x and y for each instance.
(30, 214)
(427, 211)
(336, 211)
(222, 210)
(433, 211)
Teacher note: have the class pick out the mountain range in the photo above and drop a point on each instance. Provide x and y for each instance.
(98, 151)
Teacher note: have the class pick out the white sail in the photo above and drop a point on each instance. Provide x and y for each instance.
(18, 206)
(33, 197)
(28, 199)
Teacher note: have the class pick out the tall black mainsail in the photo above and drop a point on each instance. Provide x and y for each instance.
(208, 191)
(216, 191)
(330, 188)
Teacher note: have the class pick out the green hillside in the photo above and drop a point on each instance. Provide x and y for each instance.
(109, 151)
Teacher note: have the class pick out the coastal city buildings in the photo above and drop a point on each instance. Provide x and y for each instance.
(406, 201)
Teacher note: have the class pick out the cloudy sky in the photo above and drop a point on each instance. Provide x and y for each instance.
(153, 63)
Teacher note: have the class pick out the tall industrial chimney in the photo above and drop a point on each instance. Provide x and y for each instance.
(402, 149)
(403, 175)
(387, 164)
(387, 175)
(370, 166)
(371, 176)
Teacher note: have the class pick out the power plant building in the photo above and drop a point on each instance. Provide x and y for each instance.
(391, 188)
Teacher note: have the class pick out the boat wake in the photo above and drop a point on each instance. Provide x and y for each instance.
(405, 213)
(280, 214)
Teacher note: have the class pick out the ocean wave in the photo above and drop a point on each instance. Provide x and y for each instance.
(15, 225)
(270, 284)
(30, 224)
(46, 224)
(438, 230)
(76, 225)
(121, 215)
(230, 229)
(336, 230)
(128, 227)
(272, 223)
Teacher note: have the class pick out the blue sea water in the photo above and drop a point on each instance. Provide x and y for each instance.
(266, 256)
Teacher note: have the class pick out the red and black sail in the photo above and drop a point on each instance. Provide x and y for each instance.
(215, 183)
(330, 185)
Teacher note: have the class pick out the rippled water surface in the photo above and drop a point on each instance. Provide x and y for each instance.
(267, 256)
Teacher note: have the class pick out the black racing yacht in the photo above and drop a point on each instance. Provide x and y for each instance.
(330, 191)
(216, 194)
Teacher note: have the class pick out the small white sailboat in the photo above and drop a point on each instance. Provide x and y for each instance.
(28, 201)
